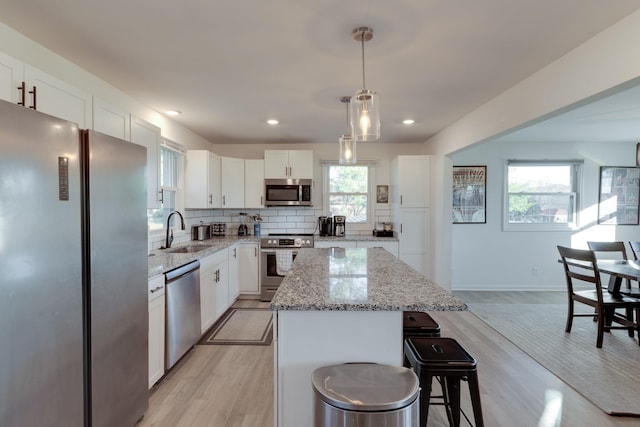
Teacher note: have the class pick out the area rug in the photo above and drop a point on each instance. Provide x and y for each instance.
(609, 377)
(242, 326)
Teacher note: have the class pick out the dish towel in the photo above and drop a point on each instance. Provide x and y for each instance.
(284, 258)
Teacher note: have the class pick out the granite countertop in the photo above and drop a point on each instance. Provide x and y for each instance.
(354, 239)
(358, 279)
(161, 261)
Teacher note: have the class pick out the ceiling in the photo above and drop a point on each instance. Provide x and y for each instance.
(229, 65)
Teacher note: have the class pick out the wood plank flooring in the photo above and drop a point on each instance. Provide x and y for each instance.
(232, 386)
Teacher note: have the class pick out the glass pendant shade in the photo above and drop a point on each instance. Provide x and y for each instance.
(365, 116)
(347, 150)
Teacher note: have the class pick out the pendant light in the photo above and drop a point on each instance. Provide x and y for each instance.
(346, 142)
(365, 104)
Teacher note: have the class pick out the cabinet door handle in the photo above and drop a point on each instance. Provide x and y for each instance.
(23, 93)
(255, 252)
(261, 201)
(210, 199)
(234, 252)
(161, 196)
(401, 199)
(33, 107)
(401, 228)
(156, 289)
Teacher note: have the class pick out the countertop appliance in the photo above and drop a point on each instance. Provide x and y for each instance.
(339, 224)
(269, 278)
(201, 231)
(73, 294)
(183, 311)
(288, 192)
(324, 226)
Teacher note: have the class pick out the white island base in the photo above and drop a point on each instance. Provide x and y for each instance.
(307, 340)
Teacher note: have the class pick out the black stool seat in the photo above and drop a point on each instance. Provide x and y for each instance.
(446, 359)
(418, 323)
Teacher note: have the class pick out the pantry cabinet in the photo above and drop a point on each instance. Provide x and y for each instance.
(410, 192)
(148, 135)
(293, 164)
(232, 182)
(254, 183)
(202, 180)
(156, 329)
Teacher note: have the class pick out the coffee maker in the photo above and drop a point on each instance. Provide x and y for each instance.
(324, 226)
(339, 223)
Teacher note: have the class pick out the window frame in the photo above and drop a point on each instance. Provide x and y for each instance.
(178, 188)
(576, 187)
(371, 185)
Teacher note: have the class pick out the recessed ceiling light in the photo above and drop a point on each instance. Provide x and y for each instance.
(272, 122)
(173, 112)
(408, 121)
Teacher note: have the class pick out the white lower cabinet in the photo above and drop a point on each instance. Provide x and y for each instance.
(208, 276)
(221, 282)
(249, 268)
(234, 287)
(156, 329)
(391, 246)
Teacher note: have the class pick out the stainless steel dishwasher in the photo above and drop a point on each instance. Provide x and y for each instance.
(182, 290)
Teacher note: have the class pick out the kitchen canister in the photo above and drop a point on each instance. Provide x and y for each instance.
(256, 229)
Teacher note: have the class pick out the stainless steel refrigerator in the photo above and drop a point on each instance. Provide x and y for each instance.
(73, 274)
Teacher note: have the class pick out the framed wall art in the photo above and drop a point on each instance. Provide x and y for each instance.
(469, 194)
(618, 195)
(382, 194)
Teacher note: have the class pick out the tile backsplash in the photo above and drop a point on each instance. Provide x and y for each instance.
(274, 220)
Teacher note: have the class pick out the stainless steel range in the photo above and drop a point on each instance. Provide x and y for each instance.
(269, 278)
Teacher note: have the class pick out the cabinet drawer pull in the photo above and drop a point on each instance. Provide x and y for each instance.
(156, 289)
(23, 93)
(33, 92)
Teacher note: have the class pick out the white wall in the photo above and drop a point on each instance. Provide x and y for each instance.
(485, 257)
(607, 63)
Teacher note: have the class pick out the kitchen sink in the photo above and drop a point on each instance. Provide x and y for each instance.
(187, 249)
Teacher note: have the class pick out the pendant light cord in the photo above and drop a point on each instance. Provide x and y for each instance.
(364, 86)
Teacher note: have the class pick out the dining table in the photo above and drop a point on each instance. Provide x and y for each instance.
(619, 270)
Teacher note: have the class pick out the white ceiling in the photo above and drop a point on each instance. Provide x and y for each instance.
(230, 64)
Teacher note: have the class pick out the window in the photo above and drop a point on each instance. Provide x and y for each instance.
(170, 184)
(347, 191)
(542, 195)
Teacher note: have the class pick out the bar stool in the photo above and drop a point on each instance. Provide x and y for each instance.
(449, 362)
(418, 324)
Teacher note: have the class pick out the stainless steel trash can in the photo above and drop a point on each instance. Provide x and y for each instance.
(365, 395)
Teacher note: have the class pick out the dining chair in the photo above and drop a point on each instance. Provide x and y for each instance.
(580, 265)
(610, 250)
(635, 249)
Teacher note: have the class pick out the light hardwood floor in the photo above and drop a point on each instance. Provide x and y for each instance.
(222, 386)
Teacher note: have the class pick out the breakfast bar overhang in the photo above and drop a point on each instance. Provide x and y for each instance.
(340, 305)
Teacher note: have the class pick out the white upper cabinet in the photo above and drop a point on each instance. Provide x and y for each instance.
(145, 134)
(202, 180)
(111, 120)
(25, 85)
(11, 76)
(410, 181)
(232, 182)
(254, 183)
(50, 95)
(294, 164)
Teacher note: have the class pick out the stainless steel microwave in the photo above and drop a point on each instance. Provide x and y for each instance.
(288, 192)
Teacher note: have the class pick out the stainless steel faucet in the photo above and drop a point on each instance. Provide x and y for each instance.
(169, 239)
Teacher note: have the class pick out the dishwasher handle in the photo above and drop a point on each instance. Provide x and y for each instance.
(175, 274)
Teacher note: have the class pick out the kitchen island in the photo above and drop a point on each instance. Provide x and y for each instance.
(341, 305)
